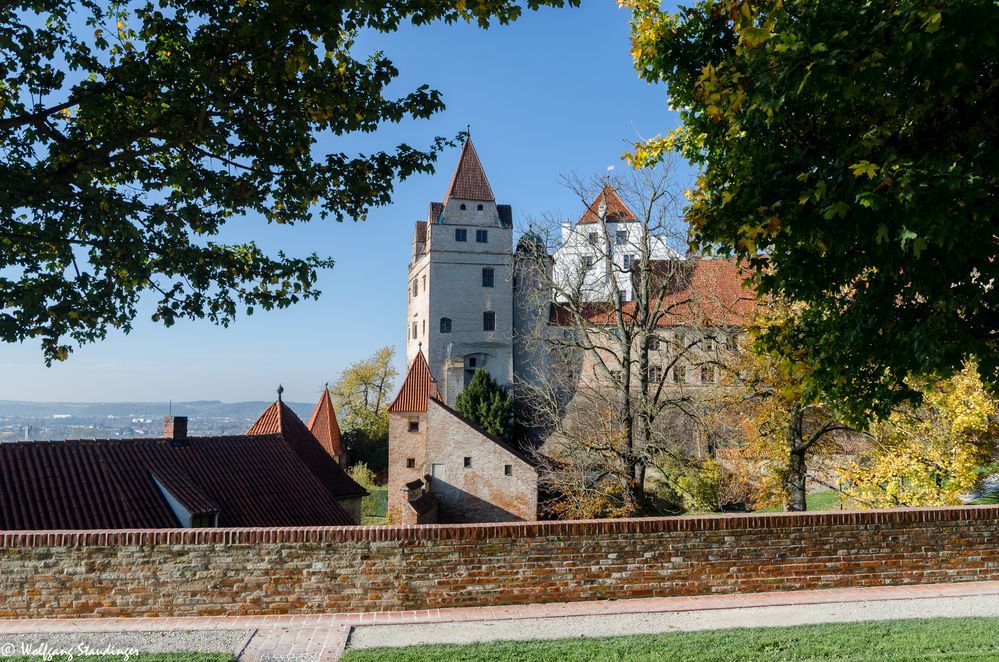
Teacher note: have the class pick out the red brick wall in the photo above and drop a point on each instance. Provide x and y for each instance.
(302, 570)
(404, 445)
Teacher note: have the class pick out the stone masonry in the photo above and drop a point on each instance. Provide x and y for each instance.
(194, 572)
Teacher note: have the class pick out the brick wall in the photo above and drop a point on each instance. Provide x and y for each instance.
(301, 570)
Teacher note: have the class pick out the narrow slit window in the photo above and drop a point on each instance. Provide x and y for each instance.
(468, 462)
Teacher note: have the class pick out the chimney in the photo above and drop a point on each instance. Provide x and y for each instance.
(175, 427)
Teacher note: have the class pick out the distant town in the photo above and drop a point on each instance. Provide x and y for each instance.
(41, 421)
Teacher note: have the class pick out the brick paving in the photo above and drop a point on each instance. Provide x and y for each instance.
(322, 637)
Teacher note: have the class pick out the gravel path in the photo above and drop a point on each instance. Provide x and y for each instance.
(371, 636)
(201, 641)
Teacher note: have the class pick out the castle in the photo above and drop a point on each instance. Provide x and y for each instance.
(476, 303)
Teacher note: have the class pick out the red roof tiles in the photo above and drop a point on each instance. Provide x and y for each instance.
(711, 293)
(112, 484)
(615, 212)
(324, 426)
(418, 386)
(280, 419)
(469, 179)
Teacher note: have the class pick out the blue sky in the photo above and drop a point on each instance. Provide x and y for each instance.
(551, 94)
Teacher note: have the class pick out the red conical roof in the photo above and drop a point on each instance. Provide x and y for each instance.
(324, 426)
(469, 180)
(419, 386)
(616, 211)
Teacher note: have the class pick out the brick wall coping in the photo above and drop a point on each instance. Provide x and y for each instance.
(347, 534)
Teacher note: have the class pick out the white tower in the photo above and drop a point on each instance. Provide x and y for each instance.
(460, 288)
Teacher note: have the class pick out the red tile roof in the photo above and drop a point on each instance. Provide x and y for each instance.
(249, 481)
(616, 211)
(469, 179)
(420, 233)
(712, 293)
(280, 419)
(324, 427)
(418, 386)
(436, 209)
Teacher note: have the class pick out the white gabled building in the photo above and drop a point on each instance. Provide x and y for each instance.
(579, 260)
(460, 288)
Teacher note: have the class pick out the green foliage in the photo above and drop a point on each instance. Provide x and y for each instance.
(484, 402)
(847, 154)
(374, 506)
(941, 639)
(361, 396)
(132, 133)
(362, 475)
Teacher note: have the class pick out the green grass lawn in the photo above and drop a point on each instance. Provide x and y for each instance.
(986, 499)
(941, 639)
(374, 506)
(827, 500)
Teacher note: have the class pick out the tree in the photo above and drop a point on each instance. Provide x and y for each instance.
(930, 455)
(361, 395)
(847, 153)
(132, 133)
(622, 323)
(488, 405)
(785, 429)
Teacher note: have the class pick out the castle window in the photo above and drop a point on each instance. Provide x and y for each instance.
(472, 362)
(414, 426)
(588, 261)
(479, 207)
(592, 238)
(424, 327)
(445, 325)
(468, 462)
(655, 343)
(708, 374)
(623, 296)
(489, 321)
(482, 236)
(616, 376)
(416, 287)
(733, 342)
(655, 374)
(424, 283)
(629, 262)
(414, 330)
(460, 234)
(410, 462)
(462, 207)
(709, 343)
(507, 469)
(679, 374)
(620, 237)
(487, 277)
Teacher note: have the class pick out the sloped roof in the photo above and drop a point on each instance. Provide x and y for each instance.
(324, 426)
(469, 179)
(710, 293)
(436, 209)
(505, 215)
(616, 211)
(485, 433)
(417, 387)
(280, 419)
(420, 233)
(250, 481)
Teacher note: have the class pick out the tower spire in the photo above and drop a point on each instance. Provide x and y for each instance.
(469, 181)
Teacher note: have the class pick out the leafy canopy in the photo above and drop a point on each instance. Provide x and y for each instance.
(131, 132)
(847, 151)
(487, 404)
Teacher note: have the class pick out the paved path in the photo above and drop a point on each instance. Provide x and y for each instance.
(322, 638)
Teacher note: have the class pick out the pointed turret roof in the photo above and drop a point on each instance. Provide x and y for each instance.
(469, 180)
(280, 419)
(616, 210)
(324, 426)
(419, 386)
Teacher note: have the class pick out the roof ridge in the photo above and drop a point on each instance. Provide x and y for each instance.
(469, 181)
(615, 209)
(416, 388)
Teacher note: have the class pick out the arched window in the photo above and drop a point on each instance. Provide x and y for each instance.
(462, 207)
(445, 325)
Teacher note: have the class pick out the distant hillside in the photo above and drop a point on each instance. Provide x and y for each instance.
(206, 409)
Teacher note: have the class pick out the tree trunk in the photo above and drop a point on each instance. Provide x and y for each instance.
(796, 481)
(796, 469)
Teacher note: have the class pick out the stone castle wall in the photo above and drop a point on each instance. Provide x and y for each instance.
(194, 572)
